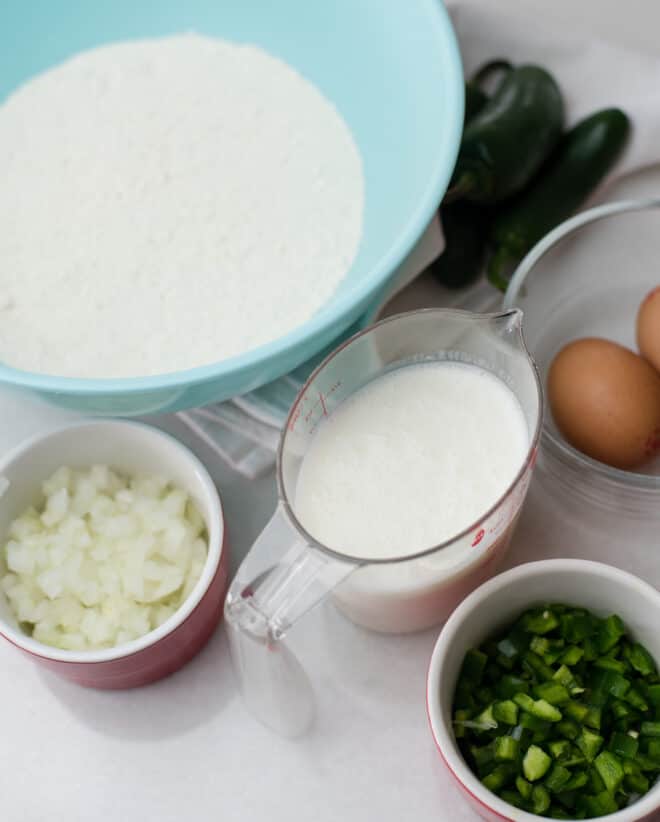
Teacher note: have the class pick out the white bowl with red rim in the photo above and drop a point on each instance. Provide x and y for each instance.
(131, 448)
(599, 588)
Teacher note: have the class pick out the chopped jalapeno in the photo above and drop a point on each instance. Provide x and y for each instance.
(560, 714)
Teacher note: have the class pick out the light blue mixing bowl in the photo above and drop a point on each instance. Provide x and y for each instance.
(393, 70)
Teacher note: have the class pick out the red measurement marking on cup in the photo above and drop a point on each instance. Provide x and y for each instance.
(314, 413)
(478, 537)
(295, 416)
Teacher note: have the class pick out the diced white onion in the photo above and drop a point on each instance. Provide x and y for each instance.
(104, 560)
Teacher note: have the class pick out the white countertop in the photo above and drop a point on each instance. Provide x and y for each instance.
(185, 749)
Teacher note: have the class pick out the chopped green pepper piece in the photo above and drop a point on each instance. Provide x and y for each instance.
(645, 763)
(460, 718)
(653, 750)
(634, 780)
(534, 724)
(595, 784)
(548, 649)
(590, 649)
(464, 697)
(650, 729)
(559, 813)
(509, 685)
(556, 780)
(566, 799)
(571, 656)
(565, 677)
(594, 718)
(610, 769)
(513, 798)
(536, 763)
(610, 632)
(560, 749)
(589, 743)
(578, 780)
(552, 692)
(484, 694)
(473, 666)
(606, 663)
(483, 757)
(620, 710)
(623, 745)
(524, 787)
(609, 683)
(575, 759)
(506, 749)
(640, 659)
(576, 710)
(568, 729)
(599, 805)
(540, 799)
(637, 784)
(636, 699)
(539, 708)
(499, 777)
(653, 692)
(576, 626)
(536, 666)
(506, 712)
(485, 721)
(540, 622)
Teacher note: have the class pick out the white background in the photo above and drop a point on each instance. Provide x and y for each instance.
(184, 749)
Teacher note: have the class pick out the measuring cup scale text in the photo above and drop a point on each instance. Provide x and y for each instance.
(405, 498)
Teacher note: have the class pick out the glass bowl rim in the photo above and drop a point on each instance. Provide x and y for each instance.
(557, 447)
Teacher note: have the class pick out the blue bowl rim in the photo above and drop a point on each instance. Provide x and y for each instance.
(366, 290)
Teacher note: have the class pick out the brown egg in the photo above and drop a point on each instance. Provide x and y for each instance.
(606, 401)
(648, 328)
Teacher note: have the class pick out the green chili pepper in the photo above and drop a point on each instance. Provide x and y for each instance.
(509, 139)
(583, 157)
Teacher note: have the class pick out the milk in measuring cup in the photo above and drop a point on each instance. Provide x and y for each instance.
(407, 463)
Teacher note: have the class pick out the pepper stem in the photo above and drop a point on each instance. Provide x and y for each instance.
(492, 67)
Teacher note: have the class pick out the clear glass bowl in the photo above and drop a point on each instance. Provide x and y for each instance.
(587, 278)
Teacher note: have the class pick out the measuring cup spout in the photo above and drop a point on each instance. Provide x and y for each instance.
(508, 324)
(280, 579)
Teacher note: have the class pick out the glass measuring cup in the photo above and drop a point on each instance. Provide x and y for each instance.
(288, 571)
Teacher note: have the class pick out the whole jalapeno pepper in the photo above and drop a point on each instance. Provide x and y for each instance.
(583, 157)
(508, 140)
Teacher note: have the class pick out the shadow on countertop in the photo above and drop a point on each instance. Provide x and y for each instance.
(190, 697)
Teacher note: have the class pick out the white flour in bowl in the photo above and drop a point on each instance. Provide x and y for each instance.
(167, 204)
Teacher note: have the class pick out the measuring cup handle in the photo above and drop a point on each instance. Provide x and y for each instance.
(280, 579)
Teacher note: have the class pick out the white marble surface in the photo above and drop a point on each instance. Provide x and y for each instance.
(184, 749)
